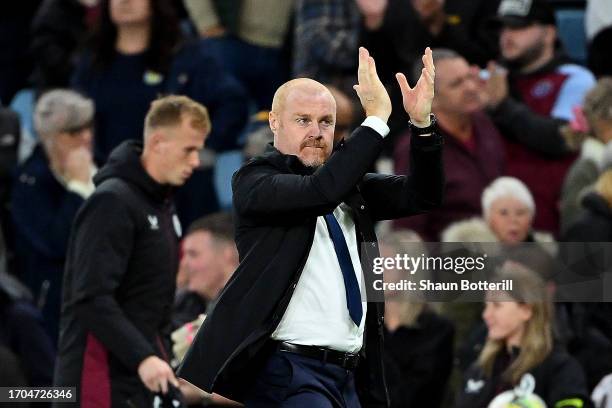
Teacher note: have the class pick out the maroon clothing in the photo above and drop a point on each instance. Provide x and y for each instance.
(545, 93)
(468, 171)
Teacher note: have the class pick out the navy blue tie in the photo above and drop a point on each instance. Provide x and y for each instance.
(353, 296)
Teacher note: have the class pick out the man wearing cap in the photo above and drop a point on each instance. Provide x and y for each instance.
(50, 187)
(532, 98)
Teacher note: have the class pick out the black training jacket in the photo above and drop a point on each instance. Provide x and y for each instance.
(119, 283)
(276, 202)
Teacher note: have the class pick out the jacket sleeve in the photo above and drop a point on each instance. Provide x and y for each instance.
(568, 387)
(46, 227)
(260, 190)
(392, 197)
(540, 133)
(103, 241)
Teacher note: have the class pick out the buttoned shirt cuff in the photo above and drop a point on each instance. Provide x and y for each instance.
(377, 124)
(80, 188)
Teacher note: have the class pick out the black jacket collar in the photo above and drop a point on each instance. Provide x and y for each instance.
(124, 163)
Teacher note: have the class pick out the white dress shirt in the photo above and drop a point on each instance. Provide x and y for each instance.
(317, 313)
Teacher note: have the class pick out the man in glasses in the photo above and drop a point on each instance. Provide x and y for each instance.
(50, 187)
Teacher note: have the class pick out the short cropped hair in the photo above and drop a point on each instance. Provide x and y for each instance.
(220, 225)
(598, 101)
(170, 110)
(506, 187)
(62, 110)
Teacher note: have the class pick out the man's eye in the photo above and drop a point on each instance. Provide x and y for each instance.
(301, 121)
(327, 123)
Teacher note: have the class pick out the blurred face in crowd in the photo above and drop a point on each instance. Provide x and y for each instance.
(602, 129)
(206, 262)
(303, 119)
(126, 12)
(60, 145)
(456, 88)
(510, 220)
(521, 46)
(177, 151)
(505, 318)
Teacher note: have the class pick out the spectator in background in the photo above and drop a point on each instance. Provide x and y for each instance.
(508, 211)
(22, 337)
(418, 341)
(209, 260)
(598, 24)
(592, 322)
(248, 37)
(594, 222)
(533, 99)
(594, 120)
(473, 154)
(520, 362)
(139, 53)
(50, 187)
(325, 39)
(396, 31)
(507, 216)
(58, 30)
(122, 262)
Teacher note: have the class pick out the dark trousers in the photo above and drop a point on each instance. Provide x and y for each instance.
(290, 380)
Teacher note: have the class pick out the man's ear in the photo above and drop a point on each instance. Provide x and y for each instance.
(273, 121)
(156, 140)
(551, 34)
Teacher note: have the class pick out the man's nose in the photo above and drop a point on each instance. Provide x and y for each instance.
(194, 160)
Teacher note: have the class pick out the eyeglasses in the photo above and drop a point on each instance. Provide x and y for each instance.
(76, 131)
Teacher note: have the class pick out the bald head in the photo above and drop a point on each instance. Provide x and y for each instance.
(301, 85)
(303, 120)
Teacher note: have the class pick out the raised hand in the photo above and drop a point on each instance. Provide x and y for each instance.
(417, 101)
(372, 93)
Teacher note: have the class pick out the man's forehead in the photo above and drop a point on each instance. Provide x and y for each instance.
(309, 101)
(451, 68)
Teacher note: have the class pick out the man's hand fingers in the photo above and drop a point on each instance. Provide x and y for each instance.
(403, 83)
(492, 68)
(425, 74)
(153, 385)
(428, 62)
(173, 380)
(163, 382)
(362, 71)
(372, 69)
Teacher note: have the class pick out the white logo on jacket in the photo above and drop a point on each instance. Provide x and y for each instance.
(473, 386)
(177, 225)
(153, 223)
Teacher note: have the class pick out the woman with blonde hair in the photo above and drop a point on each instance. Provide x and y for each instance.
(520, 363)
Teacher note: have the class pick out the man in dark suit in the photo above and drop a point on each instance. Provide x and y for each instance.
(291, 327)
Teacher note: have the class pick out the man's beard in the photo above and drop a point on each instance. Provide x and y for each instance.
(530, 55)
(318, 161)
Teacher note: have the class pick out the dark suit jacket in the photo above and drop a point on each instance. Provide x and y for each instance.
(277, 201)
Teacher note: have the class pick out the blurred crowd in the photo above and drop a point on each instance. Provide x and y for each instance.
(523, 97)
